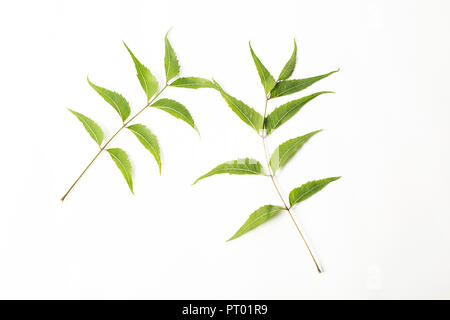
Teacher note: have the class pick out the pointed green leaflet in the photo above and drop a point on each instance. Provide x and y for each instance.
(257, 218)
(176, 109)
(148, 140)
(286, 87)
(192, 83)
(289, 66)
(171, 64)
(308, 189)
(247, 114)
(286, 111)
(285, 151)
(116, 100)
(120, 158)
(239, 166)
(267, 80)
(146, 78)
(91, 127)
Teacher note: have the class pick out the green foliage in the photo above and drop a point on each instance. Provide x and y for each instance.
(120, 157)
(192, 83)
(308, 189)
(92, 128)
(170, 61)
(267, 80)
(121, 105)
(239, 166)
(176, 109)
(148, 140)
(287, 150)
(265, 125)
(146, 78)
(289, 66)
(284, 88)
(247, 114)
(257, 218)
(116, 100)
(286, 111)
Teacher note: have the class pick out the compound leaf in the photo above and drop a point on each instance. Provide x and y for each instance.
(176, 109)
(257, 218)
(247, 114)
(146, 78)
(308, 189)
(239, 166)
(267, 80)
(120, 157)
(116, 100)
(289, 66)
(284, 112)
(92, 128)
(192, 83)
(286, 87)
(148, 140)
(285, 151)
(171, 64)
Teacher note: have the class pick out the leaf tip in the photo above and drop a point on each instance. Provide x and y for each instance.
(198, 131)
(317, 131)
(89, 81)
(251, 49)
(167, 33)
(128, 49)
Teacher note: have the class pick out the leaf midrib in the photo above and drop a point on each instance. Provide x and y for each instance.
(306, 193)
(128, 178)
(97, 139)
(297, 143)
(275, 210)
(146, 140)
(241, 111)
(183, 116)
(114, 103)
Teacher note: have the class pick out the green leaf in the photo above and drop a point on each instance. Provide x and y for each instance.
(192, 83)
(267, 80)
(286, 87)
(176, 109)
(308, 189)
(257, 218)
(120, 157)
(115, 99)
(287, 150)
(247, 114)
(146, 78)
(92, 128)
(148, 139)
(170, 61)
(289, 66)
(286, 111)
(239, 166)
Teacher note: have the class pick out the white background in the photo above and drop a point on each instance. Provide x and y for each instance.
(382, 231)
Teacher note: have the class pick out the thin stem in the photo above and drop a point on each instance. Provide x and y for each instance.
(272, 177)
(112, 137)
